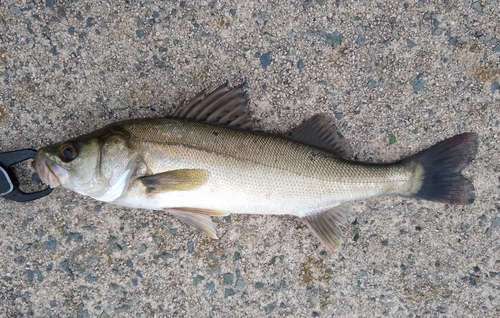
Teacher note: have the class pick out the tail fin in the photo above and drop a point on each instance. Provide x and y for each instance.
(442, 165)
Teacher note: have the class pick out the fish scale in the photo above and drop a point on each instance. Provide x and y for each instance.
(269, 158)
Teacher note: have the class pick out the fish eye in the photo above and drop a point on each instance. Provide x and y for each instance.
(68, 152)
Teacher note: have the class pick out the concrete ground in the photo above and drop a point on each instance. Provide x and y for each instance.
(396, 76)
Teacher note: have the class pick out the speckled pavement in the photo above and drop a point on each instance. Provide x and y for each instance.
(395, 76)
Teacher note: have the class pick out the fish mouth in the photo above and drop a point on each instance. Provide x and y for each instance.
(49, 172)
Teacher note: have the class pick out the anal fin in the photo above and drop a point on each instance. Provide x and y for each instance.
(197, 218)
(326, 225)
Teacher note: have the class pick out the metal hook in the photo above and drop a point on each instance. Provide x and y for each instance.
(9, 185)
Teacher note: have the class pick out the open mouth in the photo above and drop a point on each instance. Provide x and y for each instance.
(49, 172)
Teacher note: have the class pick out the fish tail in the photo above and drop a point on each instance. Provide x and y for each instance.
(437, 170)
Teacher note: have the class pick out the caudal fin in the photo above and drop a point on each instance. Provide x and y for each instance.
(442, 165)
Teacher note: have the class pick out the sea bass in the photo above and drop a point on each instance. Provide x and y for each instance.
(208, 159)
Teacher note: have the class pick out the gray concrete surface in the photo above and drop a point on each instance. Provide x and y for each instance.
(417, 70)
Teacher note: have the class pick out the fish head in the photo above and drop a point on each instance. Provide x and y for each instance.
(97, 165)
(70, 164)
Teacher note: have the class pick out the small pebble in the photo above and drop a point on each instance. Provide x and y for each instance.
(307, 4)
(418, 82)
(31, 275)
(65, 266)
(51, 244)
(142, 248)
(15, 10)
(229, 292)
(19, 260)
(265, 60)
(300, 64)
(283, 286)
(453, 40)
(72, 236)
(198, 279)
(477, 6)
(495, 222)
(392, 141)
(360, 41)
(210, 286)
(140, 34)
(190, 247)
(172, 231)
(334, 38)
(270, 308)
(395, 34)
(39, 274)
(437, 31)
(46, 31)
(125, 307)
(164, 255)
(115, 286)
(91, 278)
(240, 283)
(228, 278)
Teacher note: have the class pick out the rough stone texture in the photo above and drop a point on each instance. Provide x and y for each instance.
(418, 71)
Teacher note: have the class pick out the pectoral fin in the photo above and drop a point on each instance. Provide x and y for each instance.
(326, 226)
(175, 180)
(198, 218)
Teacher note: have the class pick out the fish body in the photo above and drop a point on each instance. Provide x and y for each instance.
(206, 161)
(247, 172)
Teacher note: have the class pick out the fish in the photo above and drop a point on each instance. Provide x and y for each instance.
(210, 158)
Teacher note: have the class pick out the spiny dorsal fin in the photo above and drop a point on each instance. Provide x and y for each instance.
(175, 180)
(318, 131)
(326, 225)
(197, 218)
(224, 106)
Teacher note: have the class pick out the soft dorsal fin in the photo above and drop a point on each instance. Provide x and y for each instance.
(224, 106)
(318, 131)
